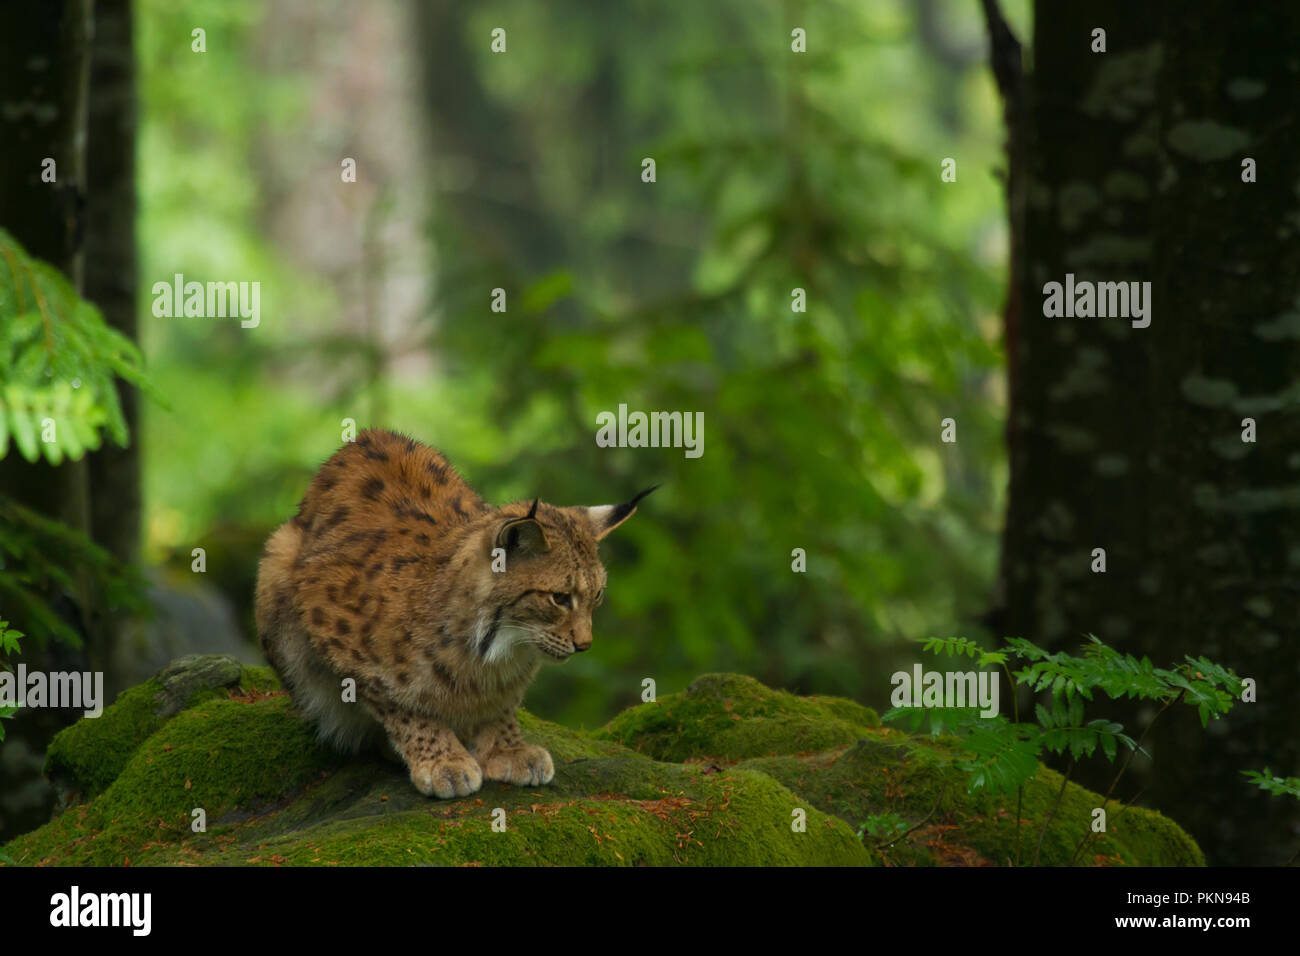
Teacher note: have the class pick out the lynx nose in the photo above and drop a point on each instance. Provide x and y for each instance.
(579, 648)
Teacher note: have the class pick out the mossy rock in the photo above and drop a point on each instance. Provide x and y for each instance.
(713, 776)
(915, 778)
(85, 758)
(731, 717)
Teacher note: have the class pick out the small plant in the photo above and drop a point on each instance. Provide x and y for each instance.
(8, 648)
(1003, 754)
(883, 827)
(1276, 786)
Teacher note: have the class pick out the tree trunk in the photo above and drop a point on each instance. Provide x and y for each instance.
(1130, 439)
(110, 271)
(44, 72)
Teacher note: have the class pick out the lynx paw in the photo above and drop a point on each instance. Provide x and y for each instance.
(455, 776)
(526, 766)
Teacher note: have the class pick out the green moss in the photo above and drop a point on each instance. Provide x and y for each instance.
(915, 777)
(272, 796)
(730, 717)
(226, 757)
(83, 759)
(87, 756)
(565, 744)
(740, 818)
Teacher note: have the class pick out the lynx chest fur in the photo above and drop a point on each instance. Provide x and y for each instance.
(439, 607)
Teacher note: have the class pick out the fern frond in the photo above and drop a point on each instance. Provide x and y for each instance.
(59, 362)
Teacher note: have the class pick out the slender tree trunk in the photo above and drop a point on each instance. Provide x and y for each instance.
(44, 72)
(110, 271)
(1130, 439)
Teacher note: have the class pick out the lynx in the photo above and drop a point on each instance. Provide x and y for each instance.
(441, 608)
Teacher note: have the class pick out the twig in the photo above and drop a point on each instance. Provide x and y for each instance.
(1065, 778)
(1092, 837)
(903, 836)
(1127, 760)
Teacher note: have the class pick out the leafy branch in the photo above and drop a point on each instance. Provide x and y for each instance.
(59, 361)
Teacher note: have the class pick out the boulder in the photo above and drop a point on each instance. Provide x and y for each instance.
(715, 775)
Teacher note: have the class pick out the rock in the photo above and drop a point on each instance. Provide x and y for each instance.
(731, 717)
(712, 776)
(191, 673)
(189, 617)
(85, 758)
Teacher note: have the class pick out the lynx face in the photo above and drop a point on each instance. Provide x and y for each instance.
(438, 607)
(548, 579)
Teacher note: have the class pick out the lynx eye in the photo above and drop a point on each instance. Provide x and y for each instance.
(560, 599)
(600, 596)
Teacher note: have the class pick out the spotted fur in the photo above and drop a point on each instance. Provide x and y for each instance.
(385, 575)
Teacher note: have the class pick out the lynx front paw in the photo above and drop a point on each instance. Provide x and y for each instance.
(455, 776)
(526, 766)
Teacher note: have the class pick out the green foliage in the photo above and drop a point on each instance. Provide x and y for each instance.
(963, 646)
(58, 361)
(8, 640)
(8, 648)
(1002, 755)
(40, 556)
(1274, 785)
(883, 827)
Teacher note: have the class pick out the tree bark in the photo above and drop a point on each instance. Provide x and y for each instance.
(44, 70)
(1130, 439)
(44, 73)
(110, 271)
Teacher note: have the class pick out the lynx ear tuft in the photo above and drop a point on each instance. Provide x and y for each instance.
(523, 537)
(605, 518)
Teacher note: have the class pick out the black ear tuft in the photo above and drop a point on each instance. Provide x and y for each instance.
(608, 517)
(624, 511)
(633, 502)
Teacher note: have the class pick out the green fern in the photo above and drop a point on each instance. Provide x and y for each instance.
(1003, 755)
(58, 364)
(963, 645)
(956, 721)
(41, 556)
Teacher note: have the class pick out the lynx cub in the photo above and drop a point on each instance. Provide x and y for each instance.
(390, 574)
